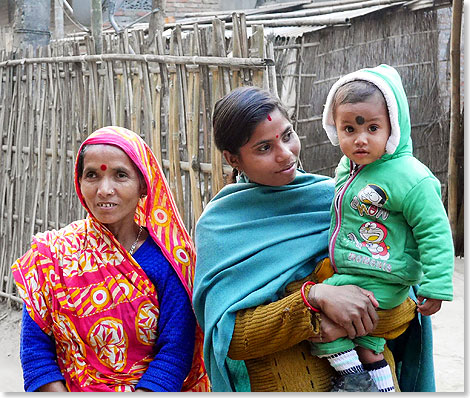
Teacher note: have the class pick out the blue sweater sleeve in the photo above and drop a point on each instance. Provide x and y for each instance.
(37, 354)
(176, 324)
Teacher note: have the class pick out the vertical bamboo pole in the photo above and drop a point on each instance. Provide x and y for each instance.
(94, 116)
(109, 77)
(156, 122)
(183, 84)
(246, 72)
(127, 84)
(17, 171)
(29, 170)
(258, 50)
(6, 198)
(39, 173)
(193, 130)
(220, 51)
(165, 91)
(5, 93)
(137, 91)
(299, 81)
(184, 109)
(173, 136)
(22, 166)
(148, 115)
(51, 172)
(236, 49)
(271, 70)
(218, 91)
(455, 142)
(206, 115)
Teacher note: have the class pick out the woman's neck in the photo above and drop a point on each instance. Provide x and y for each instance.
(127, 234)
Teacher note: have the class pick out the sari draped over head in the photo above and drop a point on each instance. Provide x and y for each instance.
(252, 240)
(80, 285)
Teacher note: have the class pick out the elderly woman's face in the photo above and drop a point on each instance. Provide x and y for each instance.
(110, 185)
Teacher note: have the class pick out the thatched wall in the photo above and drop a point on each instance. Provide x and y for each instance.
(406, 40)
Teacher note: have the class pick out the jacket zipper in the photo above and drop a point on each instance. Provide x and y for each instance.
(338, 203)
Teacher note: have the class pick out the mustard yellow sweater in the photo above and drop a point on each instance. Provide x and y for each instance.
(271, 339)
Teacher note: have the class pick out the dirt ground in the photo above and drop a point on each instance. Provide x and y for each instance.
(448, 335)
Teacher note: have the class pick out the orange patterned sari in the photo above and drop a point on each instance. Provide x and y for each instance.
(84, 289)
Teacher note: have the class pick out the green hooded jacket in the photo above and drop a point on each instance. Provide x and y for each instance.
(388, 221)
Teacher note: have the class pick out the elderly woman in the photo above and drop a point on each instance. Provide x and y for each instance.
(107, 299)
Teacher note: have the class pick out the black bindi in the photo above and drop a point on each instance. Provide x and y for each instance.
(359, 120)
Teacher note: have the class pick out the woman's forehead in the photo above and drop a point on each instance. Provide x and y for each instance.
(106, 155)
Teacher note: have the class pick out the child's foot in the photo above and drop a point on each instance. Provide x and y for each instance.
(354, 382)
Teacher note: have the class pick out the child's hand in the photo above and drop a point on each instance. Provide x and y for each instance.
(429, 307)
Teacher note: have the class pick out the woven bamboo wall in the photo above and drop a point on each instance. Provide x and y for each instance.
(51, 100)
(406, 40)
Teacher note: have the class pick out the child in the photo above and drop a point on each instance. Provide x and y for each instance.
(389, 229)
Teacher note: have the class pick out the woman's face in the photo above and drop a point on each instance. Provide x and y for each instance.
(110, 185)
(270, 156)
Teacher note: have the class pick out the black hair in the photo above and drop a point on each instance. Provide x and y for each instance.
(237, 114)
(81, 157)
(355, 91)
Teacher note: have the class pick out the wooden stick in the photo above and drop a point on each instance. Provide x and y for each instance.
(193, 132)
(173, 135)
(257, 48)
(218, 91)
(236, 49)
(169, 59)
(455, 142)
(299, 81)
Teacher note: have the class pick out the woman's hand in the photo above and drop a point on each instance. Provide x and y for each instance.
(351, 307)
(329, 331)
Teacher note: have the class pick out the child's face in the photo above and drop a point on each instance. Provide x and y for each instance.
(270, 156)
(363, 129)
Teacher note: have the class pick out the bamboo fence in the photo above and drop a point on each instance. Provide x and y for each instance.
(50, 100)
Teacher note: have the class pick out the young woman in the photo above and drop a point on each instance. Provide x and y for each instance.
(107, 298)
(262, 244)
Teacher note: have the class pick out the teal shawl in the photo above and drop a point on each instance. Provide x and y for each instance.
(251, 241)
(413, 354)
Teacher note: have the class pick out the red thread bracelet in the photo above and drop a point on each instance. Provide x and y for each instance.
(302, 289)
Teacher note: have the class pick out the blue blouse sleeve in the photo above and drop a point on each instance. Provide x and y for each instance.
(37, 354)
(176, 324)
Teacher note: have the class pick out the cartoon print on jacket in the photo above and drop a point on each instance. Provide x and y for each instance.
(373, 194)
(370, 200)
(373, 235)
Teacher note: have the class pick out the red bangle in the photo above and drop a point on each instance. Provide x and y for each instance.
(302, 289)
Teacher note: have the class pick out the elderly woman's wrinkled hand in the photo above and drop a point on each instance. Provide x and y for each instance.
(351, 307)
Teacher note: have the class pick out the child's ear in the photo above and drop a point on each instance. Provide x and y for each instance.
(231, 159)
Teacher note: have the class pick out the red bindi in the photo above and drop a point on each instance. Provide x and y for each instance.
(277, 135)
(103, 167)
(269, 118)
